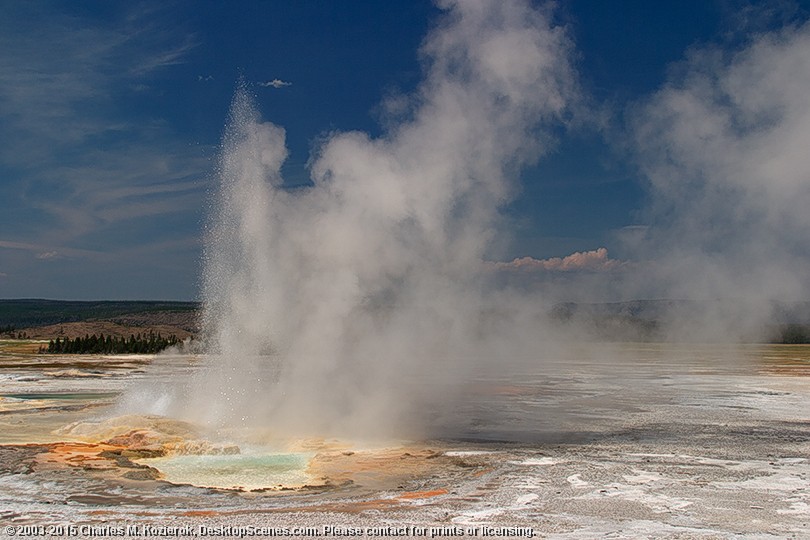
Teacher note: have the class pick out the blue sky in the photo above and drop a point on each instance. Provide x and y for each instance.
(111, 116)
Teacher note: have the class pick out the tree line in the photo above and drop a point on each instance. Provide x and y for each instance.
(141, 344)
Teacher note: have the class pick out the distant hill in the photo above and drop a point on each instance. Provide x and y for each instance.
(37, 318)
(781, 313)
(636, 320)
(657, 320)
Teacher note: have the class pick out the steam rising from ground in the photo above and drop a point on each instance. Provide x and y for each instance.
(320, 300)
(724, 145)
(324, 303)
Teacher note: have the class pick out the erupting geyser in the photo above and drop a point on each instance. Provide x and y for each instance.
(355, 305)
(321, 303)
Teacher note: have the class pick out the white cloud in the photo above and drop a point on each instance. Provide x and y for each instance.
(594, 261)
(163, 58)
(275, 83)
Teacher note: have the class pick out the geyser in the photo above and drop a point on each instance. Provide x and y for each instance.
(360, 305)
(324, 306)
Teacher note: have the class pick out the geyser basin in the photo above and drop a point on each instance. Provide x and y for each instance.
(247, 472)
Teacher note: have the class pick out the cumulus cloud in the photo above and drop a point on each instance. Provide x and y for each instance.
(594, 261)
(275, 83)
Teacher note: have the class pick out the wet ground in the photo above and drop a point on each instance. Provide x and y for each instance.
(661, 441)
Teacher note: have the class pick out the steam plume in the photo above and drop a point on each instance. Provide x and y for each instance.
(325, 304)
(319, 301)
(723, 144)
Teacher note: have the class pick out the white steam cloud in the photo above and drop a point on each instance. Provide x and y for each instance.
(326, 304)
(724, 145)
(320, 301)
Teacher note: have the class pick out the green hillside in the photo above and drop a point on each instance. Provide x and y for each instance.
(25, 313)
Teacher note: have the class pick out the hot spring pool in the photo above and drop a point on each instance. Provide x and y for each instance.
(247, 472)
